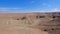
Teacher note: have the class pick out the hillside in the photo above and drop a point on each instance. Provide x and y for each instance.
(30, 23)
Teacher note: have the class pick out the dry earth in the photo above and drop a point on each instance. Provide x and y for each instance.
(30, 23)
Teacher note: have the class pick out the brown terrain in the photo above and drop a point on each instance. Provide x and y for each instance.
(30, 23)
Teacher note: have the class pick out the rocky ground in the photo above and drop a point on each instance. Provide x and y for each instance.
(30, 23)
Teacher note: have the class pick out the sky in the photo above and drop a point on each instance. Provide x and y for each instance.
(22, 6)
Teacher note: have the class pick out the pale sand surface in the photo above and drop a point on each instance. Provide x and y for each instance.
(20, 30)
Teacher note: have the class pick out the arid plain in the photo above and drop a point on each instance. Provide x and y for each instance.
(30, 23)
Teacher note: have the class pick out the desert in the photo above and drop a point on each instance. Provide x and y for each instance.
(30, 23)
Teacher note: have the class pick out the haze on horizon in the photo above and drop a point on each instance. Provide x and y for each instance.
(22, 6)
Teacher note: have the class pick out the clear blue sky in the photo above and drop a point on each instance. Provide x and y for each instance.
(16, 6)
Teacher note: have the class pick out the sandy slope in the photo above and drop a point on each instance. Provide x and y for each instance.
(30, 23)
(20, 30)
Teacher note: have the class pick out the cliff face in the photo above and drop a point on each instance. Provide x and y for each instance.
(48, 22)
